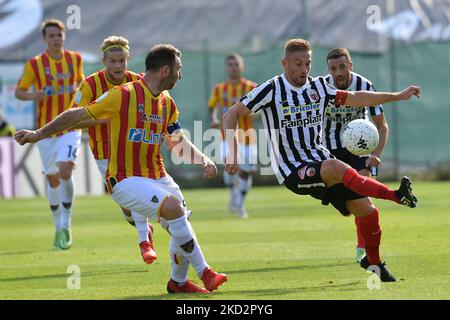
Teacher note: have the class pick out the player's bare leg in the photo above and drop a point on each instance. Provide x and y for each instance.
(184, 238)
(369, 224)
(335, 171)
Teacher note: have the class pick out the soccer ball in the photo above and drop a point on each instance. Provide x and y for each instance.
(360, 137)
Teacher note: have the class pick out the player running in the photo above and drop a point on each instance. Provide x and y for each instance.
(292, 107)
(55, 75)
(224, 95)
(115, 58)
(342, 77)
(141, 116)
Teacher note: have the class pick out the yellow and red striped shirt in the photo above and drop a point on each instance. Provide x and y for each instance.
(89, 90)
(225, 95)
(138, 123)
(58, 79)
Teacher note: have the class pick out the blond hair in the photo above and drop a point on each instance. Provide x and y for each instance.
(295, 45)
(115, 43)
(235, 56)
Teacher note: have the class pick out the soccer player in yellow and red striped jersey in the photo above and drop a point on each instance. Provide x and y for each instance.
(55, 75)
(115, 58)
(224, 96)
(141, 116)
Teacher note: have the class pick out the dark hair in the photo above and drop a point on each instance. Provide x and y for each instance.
(339, 52)
(294, 45)
(52, 23)
(161, 55)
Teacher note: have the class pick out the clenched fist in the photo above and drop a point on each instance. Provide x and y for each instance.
(27, 136)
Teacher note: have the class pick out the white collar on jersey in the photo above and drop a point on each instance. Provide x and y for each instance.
(351, 87)
(290, 86)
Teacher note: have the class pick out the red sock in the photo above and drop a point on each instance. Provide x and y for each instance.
(368, 187)
(371, 233)
(360, 243)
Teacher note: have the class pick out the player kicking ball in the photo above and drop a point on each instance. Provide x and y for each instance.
(141, 117)
(292, 106)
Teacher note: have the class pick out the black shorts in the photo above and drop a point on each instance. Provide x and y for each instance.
(356, 162)
(306, 180)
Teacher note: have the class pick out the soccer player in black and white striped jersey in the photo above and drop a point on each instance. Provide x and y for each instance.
(336, 117)
(292, 106)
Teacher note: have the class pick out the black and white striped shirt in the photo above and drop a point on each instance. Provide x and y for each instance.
(293, 119)
(337, 117)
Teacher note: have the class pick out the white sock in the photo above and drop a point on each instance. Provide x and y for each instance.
(141, 226)
(66, 189)
(182, 235)
(179, 264)
(244, 186)
(55, 202)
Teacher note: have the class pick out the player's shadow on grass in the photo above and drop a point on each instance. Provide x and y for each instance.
(46, 276)
(65, 275)
(12, 253)
(305, 267)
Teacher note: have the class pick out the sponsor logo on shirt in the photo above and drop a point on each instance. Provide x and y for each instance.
(306, 122)
(154, 118)
(141, 135)
(53, 91)
(290, 110)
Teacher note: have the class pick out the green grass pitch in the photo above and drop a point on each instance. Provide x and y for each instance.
(291, 248)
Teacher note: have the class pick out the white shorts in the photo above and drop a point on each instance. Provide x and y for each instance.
(248, 156)
(102, 166)
(146, 196)
(64, 148)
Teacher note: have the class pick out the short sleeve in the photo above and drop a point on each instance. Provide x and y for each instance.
(260, 97)
(337, 97)
(214, 98)
(80, 74)
(173, 124)
(28, 77)
(106, 106)
(374, 110)
(83, 96)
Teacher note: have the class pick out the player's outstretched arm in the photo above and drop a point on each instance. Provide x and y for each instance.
(89, 123)
(187, 151)
(64, 121)
(230, 120)
(369, 98)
